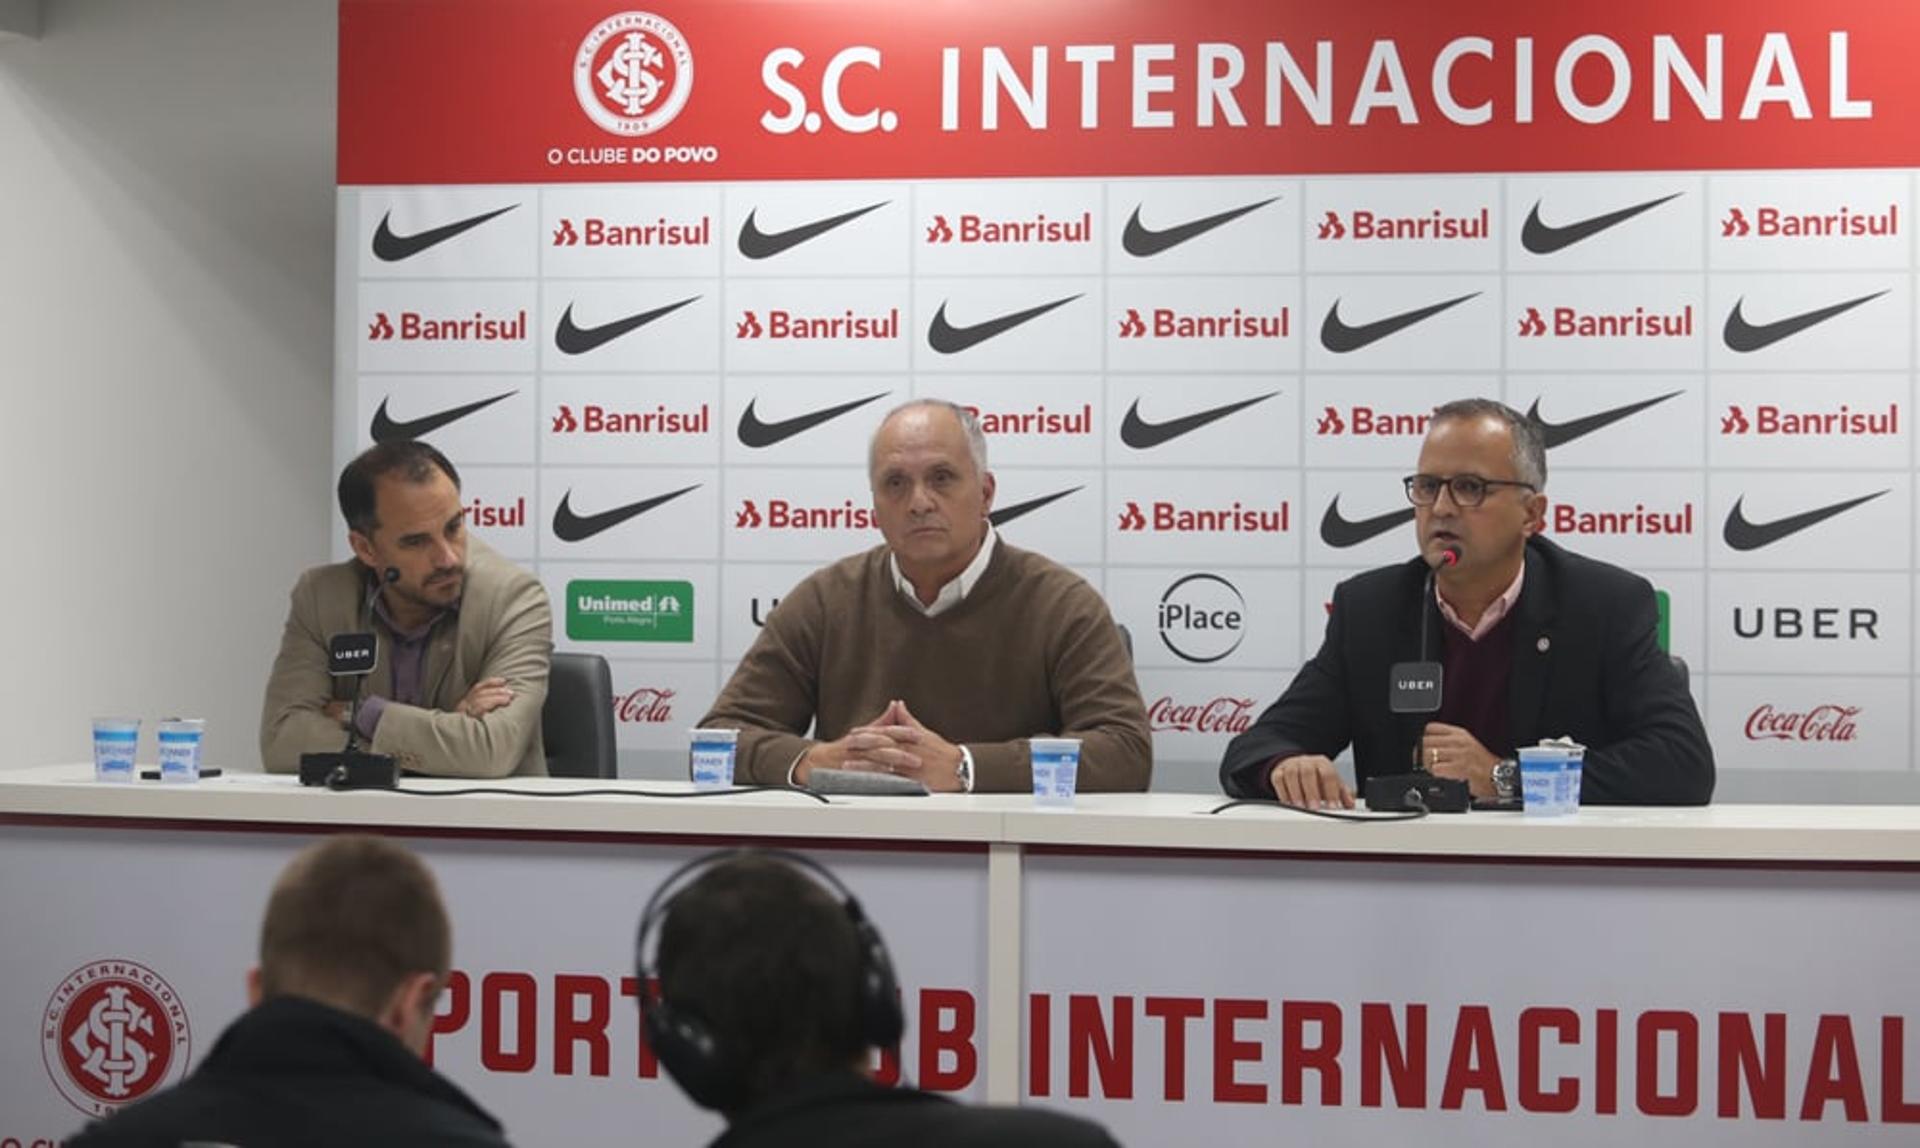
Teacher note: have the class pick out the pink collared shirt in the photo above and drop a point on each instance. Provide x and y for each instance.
(1496, 609)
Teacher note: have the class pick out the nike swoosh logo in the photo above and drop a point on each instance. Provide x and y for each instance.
(1143, 242)
(1338, 337)
(1140, 434)
(574, 340)
(1560, 434)
(1744, 337)
(758, 244)
(757, 434)
(948, 339)
(1545, 239)
(391, 248)
(1007, 514)
(571, 527)
(1340, 533)
(385, 429)
(1744, 535)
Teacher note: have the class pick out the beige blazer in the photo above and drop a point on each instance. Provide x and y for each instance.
(504, 629)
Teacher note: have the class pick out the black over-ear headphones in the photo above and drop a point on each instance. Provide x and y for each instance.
(713, 1075)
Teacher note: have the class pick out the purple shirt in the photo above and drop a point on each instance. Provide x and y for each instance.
(409, 653)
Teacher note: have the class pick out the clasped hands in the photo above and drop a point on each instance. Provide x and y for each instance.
(894, 742)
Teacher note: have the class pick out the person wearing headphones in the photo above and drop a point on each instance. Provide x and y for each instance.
(772, 993)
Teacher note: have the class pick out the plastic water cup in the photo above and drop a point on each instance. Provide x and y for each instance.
(181, 740)
(1541, 770)
(114, 742)
(712, 756)
(1568, 794)
(1056, 769)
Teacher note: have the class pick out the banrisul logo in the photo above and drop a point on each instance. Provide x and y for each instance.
(622, 611)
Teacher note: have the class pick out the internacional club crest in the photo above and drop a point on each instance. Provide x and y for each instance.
(633, 73)
(114, 1031)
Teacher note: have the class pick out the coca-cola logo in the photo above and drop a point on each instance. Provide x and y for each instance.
(1821, 723)
(644, 706)
(1220, 715)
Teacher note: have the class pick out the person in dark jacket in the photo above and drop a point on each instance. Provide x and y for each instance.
(1534, 641)
(353, 952)
(772, 994)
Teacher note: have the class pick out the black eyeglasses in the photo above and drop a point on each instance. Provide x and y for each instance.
(1466, 490)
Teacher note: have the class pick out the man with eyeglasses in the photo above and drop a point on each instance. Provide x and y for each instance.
(1535, 641)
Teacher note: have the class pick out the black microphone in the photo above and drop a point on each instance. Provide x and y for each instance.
(1414, 687)
(354, 655)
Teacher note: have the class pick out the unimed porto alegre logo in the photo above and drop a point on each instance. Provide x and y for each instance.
(626, 611)
(633, 73)
(114, 1031)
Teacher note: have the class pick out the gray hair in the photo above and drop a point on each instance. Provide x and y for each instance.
(1529, 446)
(969, 422)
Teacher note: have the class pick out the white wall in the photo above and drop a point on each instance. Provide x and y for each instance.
(166, 279)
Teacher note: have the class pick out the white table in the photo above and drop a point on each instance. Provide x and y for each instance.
(1068, 927)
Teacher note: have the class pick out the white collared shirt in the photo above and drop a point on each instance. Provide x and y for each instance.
(951, 594)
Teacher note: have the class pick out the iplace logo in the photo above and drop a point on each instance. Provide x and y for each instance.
(1202, 618)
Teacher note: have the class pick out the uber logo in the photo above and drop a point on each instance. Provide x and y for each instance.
(760, 612)
(1821, 623)
(1202, 618)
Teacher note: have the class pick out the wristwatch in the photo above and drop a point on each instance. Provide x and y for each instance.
(1506, 778)
(964, 771)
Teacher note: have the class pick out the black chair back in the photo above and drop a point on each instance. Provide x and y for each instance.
(577, 722)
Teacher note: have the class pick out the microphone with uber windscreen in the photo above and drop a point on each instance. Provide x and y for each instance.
(1415, 688)
(353, 655)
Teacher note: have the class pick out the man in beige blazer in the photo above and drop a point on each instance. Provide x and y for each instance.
(465, 636)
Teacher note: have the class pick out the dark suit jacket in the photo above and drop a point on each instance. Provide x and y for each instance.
(295, 1073)
(1585, 665)
(852, 1112)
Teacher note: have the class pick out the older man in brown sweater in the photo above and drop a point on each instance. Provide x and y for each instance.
(937, 655)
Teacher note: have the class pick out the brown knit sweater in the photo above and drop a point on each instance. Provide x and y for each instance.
(1031, 651)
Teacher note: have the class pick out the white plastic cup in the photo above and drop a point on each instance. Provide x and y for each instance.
(1570, 775)
(114, 743)
(712, 756)
(1541, 770)
(1056, 769)
(181, 742)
